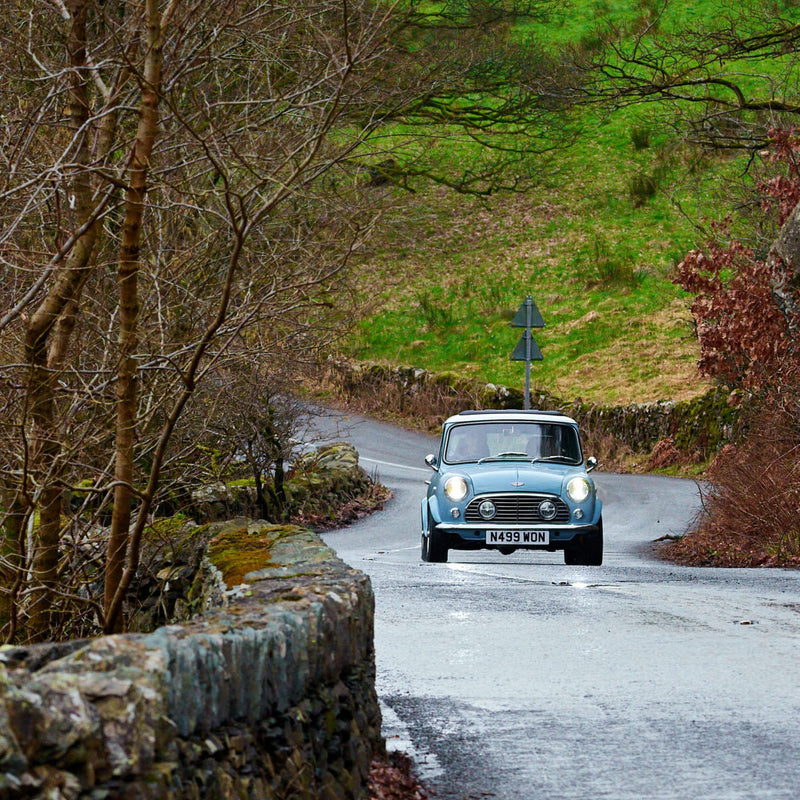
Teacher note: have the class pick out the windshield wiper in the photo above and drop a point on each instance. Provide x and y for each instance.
(507, 454)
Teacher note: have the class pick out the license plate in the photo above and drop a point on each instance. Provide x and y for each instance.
(518, 538)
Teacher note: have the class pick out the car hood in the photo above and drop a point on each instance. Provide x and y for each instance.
(533, 477)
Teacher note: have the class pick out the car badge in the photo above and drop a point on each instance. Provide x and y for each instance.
(517, 483)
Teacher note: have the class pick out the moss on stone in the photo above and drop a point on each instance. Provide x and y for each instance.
(241, 548)
(170, 527)
(239, 483)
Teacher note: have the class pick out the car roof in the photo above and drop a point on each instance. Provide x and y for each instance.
(503, 415)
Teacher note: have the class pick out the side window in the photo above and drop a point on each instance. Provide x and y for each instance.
(568, 443)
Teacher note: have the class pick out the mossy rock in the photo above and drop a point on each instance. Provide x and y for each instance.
(336, 456)
(241, 547)
(707, 422)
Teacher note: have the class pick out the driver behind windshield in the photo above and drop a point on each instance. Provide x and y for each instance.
(468, 445)
(532, 440)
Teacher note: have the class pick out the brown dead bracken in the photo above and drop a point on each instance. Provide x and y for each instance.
(392, 778)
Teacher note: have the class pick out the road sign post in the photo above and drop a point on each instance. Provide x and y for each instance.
(527, 350)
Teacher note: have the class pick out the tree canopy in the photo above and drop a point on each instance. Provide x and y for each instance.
(723, 83)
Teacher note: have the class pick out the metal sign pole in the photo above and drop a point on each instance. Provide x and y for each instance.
(527, 350)
(527, 400)
(528, 321)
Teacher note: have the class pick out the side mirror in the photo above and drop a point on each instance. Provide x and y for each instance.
(432, 461)
(591, 463)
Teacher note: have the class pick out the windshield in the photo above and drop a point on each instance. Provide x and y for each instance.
(543, 441)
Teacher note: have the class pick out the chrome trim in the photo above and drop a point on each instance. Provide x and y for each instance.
(512, 526)
(490, 495)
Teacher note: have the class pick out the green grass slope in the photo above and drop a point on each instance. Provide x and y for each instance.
(444, 281)
(594, 245)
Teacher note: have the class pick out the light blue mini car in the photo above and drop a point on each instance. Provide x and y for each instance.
(505, 480)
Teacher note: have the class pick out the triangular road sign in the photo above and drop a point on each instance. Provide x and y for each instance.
(521, 318)
(521, 352)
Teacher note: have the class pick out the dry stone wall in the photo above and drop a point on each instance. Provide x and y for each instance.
(701, 425)
(270, 696)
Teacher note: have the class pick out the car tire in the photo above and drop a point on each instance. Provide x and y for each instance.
(423, 546)
(589, 551)
(436, 550)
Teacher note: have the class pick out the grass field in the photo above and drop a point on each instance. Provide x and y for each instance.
(447, 276)
(594, 245)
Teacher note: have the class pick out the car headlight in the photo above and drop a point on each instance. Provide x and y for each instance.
(579, 489)
(455, 487)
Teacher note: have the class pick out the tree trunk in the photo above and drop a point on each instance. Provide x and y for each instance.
(45, 449)
(261, 498)
(128, 269)
(280, 491)
(784, 261)
(12, 551)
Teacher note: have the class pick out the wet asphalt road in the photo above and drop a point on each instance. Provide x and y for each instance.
(519, 677)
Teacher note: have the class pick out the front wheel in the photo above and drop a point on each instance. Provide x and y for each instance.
(434, 546)
(588, 551)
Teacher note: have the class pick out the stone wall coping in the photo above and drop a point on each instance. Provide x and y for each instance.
(122, 700)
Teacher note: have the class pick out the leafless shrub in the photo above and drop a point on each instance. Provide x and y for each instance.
(612, 453)
(751, 504)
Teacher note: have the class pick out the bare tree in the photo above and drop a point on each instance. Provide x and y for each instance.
(179, 177)
(724, 84)
(255, 422)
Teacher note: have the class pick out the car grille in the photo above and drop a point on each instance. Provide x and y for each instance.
(520, 509)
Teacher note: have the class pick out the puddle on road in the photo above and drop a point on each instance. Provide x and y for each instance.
(479, 570)
(614, 587)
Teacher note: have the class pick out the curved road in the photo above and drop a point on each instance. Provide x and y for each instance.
(519, 677)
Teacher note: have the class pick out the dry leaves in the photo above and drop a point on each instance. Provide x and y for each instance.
(392, 778)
